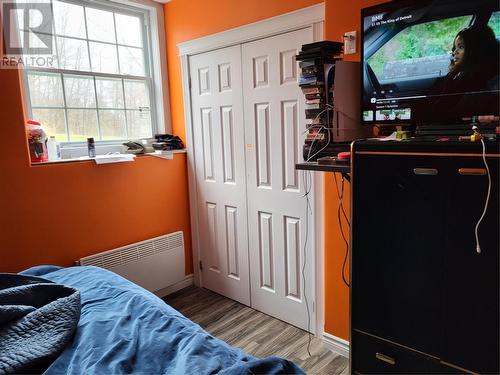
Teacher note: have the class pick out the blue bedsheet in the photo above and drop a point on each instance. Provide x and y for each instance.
(125, 329)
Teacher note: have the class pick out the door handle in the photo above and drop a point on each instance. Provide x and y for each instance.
(425, 171)
(472, 171)
(385, 358)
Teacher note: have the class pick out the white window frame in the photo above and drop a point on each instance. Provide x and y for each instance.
(155, 65)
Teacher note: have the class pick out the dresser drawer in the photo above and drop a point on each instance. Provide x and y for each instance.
(373, 356)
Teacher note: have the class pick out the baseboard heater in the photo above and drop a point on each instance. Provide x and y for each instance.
(156, 264)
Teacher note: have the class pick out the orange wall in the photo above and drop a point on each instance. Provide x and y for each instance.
(341, 16)
(336, 292)
(56, 214)
(186, 20)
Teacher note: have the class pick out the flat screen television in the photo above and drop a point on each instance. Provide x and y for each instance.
(426, 62)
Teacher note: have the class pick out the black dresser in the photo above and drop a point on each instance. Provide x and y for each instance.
(422, 299)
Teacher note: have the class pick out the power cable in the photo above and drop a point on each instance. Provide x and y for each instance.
(478, 247)
(307, 182)
(339, 210)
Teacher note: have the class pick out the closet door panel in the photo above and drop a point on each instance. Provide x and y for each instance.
(274, 126)
(218, 132)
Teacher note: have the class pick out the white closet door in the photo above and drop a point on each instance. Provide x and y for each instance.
(217, 111)
(274, 134)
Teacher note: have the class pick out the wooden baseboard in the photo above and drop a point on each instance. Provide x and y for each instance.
(336, 344)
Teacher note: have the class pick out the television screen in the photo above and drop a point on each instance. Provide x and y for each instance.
(430, 61)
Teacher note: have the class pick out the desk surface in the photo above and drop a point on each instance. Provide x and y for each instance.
(314, 166)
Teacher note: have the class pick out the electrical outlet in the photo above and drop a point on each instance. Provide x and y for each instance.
(350, 42)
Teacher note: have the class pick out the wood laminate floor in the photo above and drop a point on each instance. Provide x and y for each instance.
(254, 332)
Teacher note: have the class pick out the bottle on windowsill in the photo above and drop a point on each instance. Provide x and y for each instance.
(91, 147)
(53, 149)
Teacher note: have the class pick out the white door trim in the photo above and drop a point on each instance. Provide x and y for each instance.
(296, 20)
(307, 17)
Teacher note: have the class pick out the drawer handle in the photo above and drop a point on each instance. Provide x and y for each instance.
(384, 358)
(425, 171)
(472, 171)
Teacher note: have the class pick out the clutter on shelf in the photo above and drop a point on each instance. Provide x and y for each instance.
(317, 65)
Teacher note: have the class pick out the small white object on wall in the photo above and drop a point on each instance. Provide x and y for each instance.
(350, 43)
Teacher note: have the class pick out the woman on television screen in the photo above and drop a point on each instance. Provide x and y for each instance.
(474, 61)
(473, 72)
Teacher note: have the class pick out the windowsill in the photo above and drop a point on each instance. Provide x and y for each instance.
(87, 159)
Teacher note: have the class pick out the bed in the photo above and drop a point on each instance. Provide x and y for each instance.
(123, 328)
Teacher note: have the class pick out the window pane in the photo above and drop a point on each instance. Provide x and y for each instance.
(29, 40)
(42, 61)
(36, 40)
(131, 61)
(18, 14)
(100, 25)
(52, 121)
(36, 15)
(136, 94)
(68, 19)
(73, 54)
(109, 93)
(139, 124)
(103, 57)
(82, 124)
(88, 38)
(45, 90)
(128, 30)
(112, 124)
(79, 91)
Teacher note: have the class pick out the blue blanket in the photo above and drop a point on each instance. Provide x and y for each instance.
(125, 329)
(37, 321)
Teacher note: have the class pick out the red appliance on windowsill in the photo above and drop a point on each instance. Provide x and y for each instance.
(37, 142)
